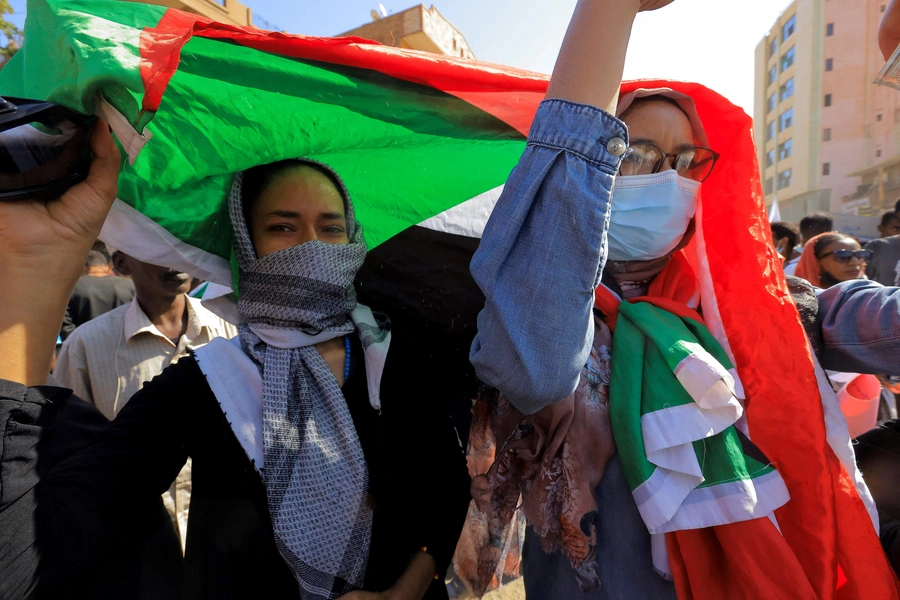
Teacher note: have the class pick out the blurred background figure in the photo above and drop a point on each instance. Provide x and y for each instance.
(815, 224)
(830, 258)
(884, 266)
(98, 291)
(110, 358)
(787, 243)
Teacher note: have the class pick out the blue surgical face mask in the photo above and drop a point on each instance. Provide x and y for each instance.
(650, 214)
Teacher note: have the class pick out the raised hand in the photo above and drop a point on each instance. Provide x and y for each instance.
(43, 246)
(53, 235)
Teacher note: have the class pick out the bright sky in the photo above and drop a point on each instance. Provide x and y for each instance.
(708, 41)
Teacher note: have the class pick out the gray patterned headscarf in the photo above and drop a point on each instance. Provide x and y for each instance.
(314, 469)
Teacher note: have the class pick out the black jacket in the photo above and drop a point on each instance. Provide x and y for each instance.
(417, 471)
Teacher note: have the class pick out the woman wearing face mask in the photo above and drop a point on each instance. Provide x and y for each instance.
(637, 348)
(321, 470)
(831, 258)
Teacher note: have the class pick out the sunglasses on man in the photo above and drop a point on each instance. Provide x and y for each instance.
(843, 256)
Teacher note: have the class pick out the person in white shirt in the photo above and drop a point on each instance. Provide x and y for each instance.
(108, 359)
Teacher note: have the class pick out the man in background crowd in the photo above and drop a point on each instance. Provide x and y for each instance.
(98, 291)
(884, 266)
(813, 224)
(786, 238)
(109, 358)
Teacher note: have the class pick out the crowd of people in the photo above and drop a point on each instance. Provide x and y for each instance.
(816, 253)
(668, 394)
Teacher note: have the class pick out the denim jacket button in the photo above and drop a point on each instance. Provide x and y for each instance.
(617, 146)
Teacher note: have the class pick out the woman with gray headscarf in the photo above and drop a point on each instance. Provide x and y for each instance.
(325, 462)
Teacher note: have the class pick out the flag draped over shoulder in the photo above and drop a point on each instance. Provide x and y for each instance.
(673, 405)
(424, 144)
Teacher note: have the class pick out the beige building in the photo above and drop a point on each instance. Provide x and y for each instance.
(823, 130)
(223, 11)
(418, 28)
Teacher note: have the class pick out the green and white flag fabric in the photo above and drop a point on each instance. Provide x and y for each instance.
(424, 142)
(674, 407)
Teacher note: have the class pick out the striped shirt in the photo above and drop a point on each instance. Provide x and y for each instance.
(108, 359)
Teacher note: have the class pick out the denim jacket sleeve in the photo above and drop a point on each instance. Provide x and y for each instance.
(861, 327)
(542, 254)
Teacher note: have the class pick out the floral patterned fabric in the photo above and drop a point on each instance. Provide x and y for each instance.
(552, 460)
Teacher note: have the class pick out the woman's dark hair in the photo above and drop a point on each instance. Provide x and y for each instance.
(257, 179)
(889, 216)
(782, 229)
(828, 239)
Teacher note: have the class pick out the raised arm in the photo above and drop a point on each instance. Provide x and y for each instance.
(861, 327)
(544, 246)
(592, 57)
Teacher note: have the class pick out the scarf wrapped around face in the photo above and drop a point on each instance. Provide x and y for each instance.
(314, 468)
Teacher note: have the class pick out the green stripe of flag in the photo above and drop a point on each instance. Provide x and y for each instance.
(406, 151)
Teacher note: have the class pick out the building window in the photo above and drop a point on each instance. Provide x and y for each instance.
(789, 28)
(829, 29)
(788, 58)
(787, 89)
(770, 158)
(784, 179)
(829, 64)
(771, 104)
(773, 46)
(770, 131)
(773, 74)
(878, 154)
(785, 150)
(827, 99)
(786, 120)
(768, 187)
(826, 134)
(454, 44)
(826, 168)
(881, 9)
(878, 117)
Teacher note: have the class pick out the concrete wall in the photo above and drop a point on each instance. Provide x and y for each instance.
(419, 28)
(391, 30)
(804, 133)
(224, 11)
(847, 84)
(445, 35)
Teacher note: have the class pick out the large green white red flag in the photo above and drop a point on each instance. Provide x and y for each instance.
(423, 142)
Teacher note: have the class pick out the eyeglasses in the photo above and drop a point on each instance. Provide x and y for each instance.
(645, 158)
(843, 256)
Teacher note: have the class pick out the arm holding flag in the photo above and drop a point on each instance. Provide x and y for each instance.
(860, 327)
(544, 246)
(43, 246)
